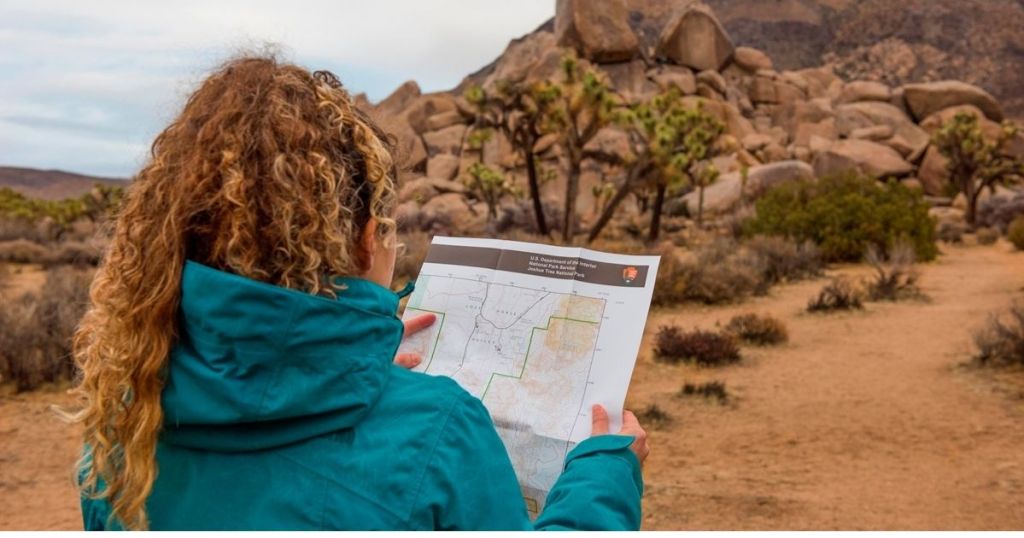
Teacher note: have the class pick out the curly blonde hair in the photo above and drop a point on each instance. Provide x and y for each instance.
(269, 172)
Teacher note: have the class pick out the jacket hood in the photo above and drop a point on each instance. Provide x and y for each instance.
(258, 366)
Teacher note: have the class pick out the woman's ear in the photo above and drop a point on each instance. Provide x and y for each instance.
(368, 246)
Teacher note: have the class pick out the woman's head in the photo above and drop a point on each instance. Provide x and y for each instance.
(269, 172)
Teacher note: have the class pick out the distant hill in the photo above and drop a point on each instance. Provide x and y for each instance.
(977, 41)
(50, 184)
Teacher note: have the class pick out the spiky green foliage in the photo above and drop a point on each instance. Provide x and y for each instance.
(976, 163)
(673, 143)
(580, 105)
(489, 185)
(517, 111)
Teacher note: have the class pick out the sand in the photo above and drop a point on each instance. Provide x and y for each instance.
(864, 420)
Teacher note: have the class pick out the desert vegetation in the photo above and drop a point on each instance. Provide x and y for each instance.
(838, 295)
(760, 330)
(700, 347)
(711, 390)
(1001, 341)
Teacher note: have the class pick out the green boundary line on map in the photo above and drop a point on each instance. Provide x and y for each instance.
(439, 328)
(529, 345)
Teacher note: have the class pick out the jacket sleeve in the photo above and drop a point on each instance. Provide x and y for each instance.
(469, 483)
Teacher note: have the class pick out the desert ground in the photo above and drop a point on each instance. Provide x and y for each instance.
(864, 420)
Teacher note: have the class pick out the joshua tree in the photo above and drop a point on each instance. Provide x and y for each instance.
(489, 185)
(517, 111)
(974, 162)
(581, 105)
(672, 143)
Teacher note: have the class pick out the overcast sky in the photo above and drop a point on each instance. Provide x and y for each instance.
(86, 85)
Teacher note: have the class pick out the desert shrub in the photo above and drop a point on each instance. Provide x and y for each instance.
(1015, 233)
(757, 330)
(720, 272)
(74, 253)
(22, 251)
(711, 390)
(999, 212)
(704, 348)
(844, 214)
(951, 232)
(1001, 342)
(36, 329)
(839, 294)
(782, 260)
(654, 417)
(895, 277)
(987, 236)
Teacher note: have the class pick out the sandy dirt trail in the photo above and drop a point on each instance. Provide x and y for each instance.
(866, 420)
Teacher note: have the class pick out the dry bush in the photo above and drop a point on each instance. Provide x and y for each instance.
(711, 389)
(22, 251)
(840, 294)
(757, 330)
(987, 236)
(1015, 233)
(653, 417)
(951, 232)
(705, 348)
(1001, 343)
(74, 253)
(783, 260)
(999, 211)
(895, 276)
(20, 228)
(36, 329)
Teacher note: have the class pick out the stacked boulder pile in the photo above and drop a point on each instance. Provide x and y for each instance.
(784, 125)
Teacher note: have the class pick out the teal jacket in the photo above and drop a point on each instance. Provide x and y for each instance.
(283, 410)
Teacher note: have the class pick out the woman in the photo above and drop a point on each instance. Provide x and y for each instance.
(237, 356)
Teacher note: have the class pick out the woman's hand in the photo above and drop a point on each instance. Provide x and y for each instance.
(630, 426)
(413, 326)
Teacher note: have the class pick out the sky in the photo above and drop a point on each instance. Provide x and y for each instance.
(86, 85)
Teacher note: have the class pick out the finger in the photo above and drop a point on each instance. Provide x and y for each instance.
(600, 420)
(416, 324)
(408, 360)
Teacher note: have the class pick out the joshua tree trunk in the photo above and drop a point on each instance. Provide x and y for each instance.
(613, 204)
(534, 183)
(659, 203)
(700, 206)
(572, 189)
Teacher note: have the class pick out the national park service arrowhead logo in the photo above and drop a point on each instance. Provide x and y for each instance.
(629, 274)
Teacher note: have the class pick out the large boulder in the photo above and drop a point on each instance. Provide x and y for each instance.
(425, 107)
(399, 99)
(696, 39)
(447, 140)
(446, 213)
(523, 58)
(928, 98)
(410, 150)
(866, 157)
(443, 166)
(630, 80)
(423, 189)
(907, 138)
(865, 90)
(735, 124)
(674, 76)
(726, 193)
(933, 172)
(752, 59)
(598, 30)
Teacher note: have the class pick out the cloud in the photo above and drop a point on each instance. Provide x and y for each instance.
(86, 85)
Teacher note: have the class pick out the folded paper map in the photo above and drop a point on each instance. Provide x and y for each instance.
(539, 333)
